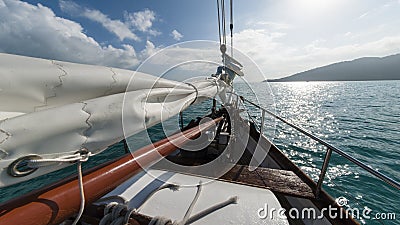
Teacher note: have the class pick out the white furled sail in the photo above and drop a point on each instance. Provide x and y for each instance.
(52, 109)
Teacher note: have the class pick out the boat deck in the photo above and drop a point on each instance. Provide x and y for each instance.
(146, 193)
(279, 181)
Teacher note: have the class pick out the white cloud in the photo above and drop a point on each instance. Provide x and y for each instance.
(182, 61)
(142, 21)
(176, 35)
(277, 59)
(115, 26)
(348, 34)
(36, 31)
(120, 29)
(149, 50)
(363, 15)
(271, 25)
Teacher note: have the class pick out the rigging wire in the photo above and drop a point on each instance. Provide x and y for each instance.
(231, 26)
(223, 23)
(222, 29)
(219, 23)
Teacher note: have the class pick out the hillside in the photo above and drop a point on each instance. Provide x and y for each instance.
(368, 68)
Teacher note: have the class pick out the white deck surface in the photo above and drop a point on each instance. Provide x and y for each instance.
(173, 204)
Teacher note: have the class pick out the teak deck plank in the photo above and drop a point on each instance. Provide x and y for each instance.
(279, 181)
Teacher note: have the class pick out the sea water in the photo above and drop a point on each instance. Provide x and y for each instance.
(361, 118)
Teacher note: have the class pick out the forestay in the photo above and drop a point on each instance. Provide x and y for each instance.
(53, 109)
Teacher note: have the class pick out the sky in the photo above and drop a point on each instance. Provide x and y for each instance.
(282, 37)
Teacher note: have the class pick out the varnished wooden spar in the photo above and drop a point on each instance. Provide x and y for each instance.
(56, 203)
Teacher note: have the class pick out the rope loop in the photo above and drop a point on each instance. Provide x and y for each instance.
(197, 92)
(80, 156)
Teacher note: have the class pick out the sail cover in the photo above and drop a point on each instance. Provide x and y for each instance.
(53, 109)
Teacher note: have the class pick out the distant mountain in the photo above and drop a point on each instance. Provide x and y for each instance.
(368, 68)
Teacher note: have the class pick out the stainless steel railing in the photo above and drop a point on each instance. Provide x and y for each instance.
(330, 149)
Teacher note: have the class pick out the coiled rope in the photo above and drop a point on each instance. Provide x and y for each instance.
(118, 214)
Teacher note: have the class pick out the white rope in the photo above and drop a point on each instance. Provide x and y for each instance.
(78, 158)
(116, 214)
(191, 206)
(37, 163)
(197, 92)
(187, 219)
(81, 192)
(160, 220)
(107, 218)
(119, 214)
(172, 187)
(215, 79)
(192, 219)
